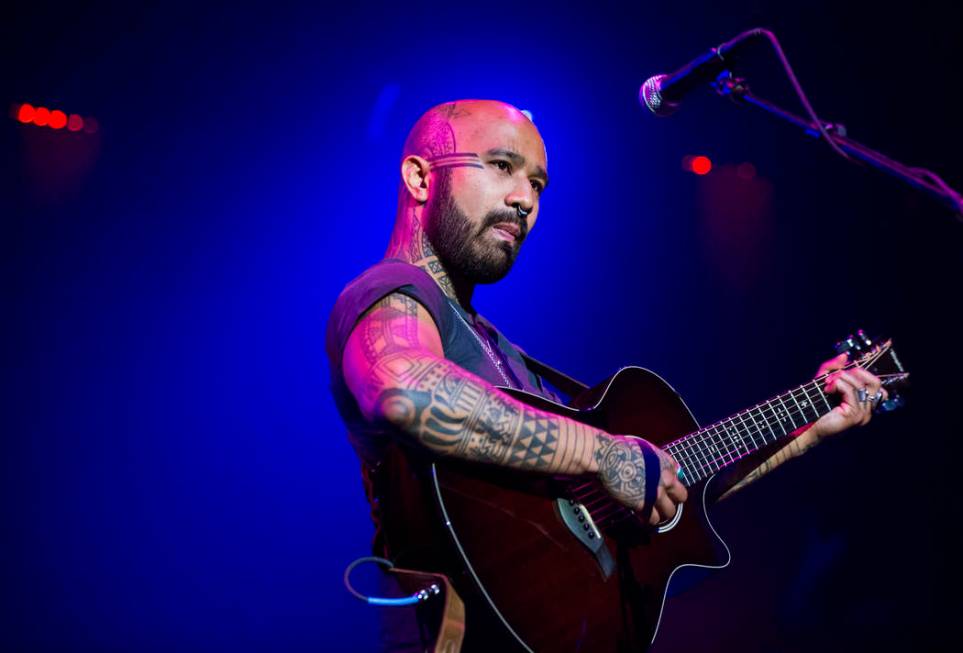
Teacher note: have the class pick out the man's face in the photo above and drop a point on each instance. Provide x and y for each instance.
(472, 217)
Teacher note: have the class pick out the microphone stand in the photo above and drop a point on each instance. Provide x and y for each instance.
(737, 90)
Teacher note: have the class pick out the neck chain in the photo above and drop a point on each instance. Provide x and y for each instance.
(486, 346)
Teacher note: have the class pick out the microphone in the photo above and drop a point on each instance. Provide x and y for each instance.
(662, 93)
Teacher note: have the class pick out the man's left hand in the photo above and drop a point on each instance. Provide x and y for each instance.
(859, 390)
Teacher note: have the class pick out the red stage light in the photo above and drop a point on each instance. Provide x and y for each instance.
(54, 118)
(25, 113)
(701, 165)
(41, 116)
(58, 119)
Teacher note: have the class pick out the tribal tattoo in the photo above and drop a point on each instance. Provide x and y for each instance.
(388, 333)
(436, 140)
(796, 447)
(452, 110)
(453, 412)
(621, 469)
(456, 160)
(437, 137)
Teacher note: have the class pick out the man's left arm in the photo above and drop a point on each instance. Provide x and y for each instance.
(850, 412)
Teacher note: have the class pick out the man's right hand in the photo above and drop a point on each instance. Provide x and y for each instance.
(622, 471)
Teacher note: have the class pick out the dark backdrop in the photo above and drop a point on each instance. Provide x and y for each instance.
(174, 474)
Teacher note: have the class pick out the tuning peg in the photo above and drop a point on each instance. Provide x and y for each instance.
(854, 344)
(895, 401)
(845, 345)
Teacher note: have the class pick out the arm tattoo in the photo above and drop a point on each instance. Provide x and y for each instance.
(793, 449)
(621, 468)
(393, 325)
(453, 412)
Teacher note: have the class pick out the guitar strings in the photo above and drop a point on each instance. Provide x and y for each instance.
(612, 512)
(695, 442)
(688, 447)
(718, 437)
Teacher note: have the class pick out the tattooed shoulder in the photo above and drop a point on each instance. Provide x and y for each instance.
(391, 325)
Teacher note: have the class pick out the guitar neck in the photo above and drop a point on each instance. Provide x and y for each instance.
(717, 446)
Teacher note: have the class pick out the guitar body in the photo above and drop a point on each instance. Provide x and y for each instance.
(528, 582)
(554, 564)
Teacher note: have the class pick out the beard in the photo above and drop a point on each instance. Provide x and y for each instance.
(465, 250)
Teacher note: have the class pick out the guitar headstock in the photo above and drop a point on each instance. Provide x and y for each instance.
(880, 359)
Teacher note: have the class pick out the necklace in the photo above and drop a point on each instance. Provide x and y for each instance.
(486, 347)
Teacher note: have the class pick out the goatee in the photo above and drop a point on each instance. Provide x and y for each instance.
(464, 250)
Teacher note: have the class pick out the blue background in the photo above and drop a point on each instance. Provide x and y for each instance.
(174, 475)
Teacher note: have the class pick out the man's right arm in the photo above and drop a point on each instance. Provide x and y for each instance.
(394, 366)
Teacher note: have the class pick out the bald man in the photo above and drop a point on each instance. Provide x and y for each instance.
(414, 366)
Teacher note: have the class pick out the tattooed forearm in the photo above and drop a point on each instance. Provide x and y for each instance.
(449, 410)
(452, 412)
(796, 447)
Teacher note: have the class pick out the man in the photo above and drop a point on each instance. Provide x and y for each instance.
(414, 364)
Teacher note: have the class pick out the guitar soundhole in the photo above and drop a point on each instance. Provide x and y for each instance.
(669, 524)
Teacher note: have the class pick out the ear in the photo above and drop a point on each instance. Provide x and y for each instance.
(414, 175)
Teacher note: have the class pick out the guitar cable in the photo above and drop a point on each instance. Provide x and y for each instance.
(420, 595)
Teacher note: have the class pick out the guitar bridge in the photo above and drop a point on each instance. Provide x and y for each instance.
(579, 522)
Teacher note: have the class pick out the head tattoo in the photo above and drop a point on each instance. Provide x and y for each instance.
(455, 160)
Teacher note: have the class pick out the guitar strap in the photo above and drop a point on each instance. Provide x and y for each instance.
(445, 620)
(559, 379)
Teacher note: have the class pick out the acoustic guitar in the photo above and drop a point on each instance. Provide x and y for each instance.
(552, 564)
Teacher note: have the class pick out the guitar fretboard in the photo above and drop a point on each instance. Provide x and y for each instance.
(708, 450)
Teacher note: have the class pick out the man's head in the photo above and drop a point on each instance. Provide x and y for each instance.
(473, 170)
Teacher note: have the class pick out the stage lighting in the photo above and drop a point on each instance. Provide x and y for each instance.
(28, 114)
(699, 165)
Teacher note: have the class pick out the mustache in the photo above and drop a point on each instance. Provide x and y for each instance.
(510, 217)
